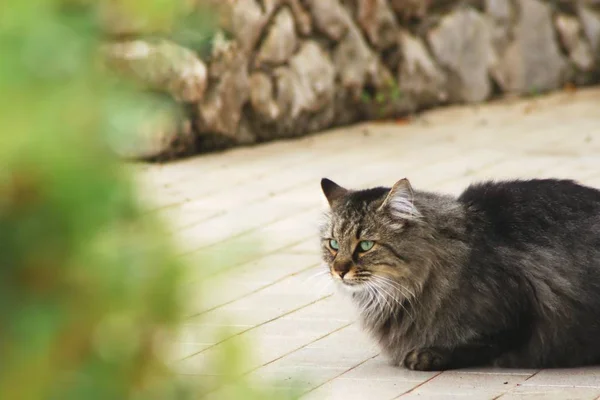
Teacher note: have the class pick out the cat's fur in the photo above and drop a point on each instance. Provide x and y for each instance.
(507, 274)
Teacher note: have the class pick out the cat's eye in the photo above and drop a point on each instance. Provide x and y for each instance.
(366, 245)
(334, 244)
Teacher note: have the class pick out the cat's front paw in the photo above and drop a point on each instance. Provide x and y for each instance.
(425, 360)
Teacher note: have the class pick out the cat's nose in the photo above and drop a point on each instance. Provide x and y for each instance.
(341, 269)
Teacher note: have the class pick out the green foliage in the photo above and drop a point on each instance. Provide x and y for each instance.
(390, 92)
(384, 98)
(89, 289)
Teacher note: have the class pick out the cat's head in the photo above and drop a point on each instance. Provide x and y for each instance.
(375, 239)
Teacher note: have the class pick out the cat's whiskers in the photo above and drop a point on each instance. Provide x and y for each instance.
(383, 285)
(383, 293)
(375, 304)
(406, 292)
(396, 284)
(372, 298)
(380, 299)
(400, 288)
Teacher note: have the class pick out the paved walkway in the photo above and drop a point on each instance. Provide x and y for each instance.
(254, 212)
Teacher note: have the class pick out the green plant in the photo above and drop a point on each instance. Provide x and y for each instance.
(384, 98)
(89, 288)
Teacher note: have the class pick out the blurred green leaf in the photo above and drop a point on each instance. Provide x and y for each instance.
(90, 290)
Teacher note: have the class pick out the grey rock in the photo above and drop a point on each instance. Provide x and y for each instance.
(221, 55)
(270, 5)
(571, 37)
(419, 77)
(261, 97)
(286, 81)
(590, 21)
(301, 16)
(330, 17)
(280, 42)
(220, 110)
(532, 62)
(162, 66)
(313, 80)
(378, 21)
(247, 23)
(502, 15)
(249, 19)
(568, 30)
(304, 98)
(500, 10)
(354, 61)
(462, 44)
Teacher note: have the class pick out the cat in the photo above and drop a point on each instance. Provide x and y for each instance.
(507, 274)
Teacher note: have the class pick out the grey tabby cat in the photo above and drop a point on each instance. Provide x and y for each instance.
(507, 274)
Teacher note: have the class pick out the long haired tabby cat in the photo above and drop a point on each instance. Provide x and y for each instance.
(507, 274)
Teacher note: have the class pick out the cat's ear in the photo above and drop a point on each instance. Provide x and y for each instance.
(332, 190)
(399, 201)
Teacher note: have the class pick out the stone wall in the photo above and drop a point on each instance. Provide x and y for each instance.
(285, 68)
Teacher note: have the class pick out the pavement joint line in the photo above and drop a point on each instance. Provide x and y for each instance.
(245, 232)
(279, 358)
(255, 259)
(257, 326)
(340, 375)
(518, 385)
(257, 290)
(301, 347)
(418, 386)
